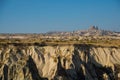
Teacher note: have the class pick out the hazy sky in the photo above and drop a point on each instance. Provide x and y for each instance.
(36, 16)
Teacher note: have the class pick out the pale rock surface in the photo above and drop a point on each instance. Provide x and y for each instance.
(66, 62)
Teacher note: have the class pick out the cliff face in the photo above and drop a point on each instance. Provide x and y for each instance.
(68, 62)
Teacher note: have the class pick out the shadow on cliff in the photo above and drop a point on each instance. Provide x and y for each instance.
(33, 70)
(77, 65)
(5, 71)
(89, 66)
(61, 72)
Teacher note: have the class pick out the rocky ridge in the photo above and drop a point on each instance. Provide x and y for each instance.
(59, 62)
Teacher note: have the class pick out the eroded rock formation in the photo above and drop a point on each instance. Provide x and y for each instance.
(66, 62)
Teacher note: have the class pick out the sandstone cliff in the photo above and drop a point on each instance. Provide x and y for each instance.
(59, 62)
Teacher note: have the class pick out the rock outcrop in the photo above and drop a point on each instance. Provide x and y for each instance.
(59, 62)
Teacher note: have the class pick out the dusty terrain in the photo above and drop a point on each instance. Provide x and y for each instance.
(43, 59)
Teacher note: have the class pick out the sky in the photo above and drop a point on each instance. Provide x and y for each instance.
(39, 16)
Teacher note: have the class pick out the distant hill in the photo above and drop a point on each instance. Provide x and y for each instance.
(92, 31)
